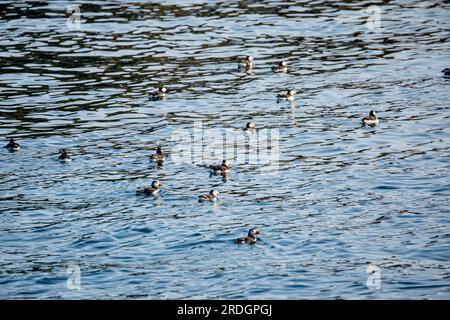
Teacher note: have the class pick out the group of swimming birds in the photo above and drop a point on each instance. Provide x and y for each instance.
(225, 167)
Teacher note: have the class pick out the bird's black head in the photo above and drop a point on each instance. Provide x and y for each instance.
(253, 232)
(156, 184)
(214, 193)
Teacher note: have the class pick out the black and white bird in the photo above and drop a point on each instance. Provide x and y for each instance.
(158, 156)
(211, 196)
(246, 63)
(251, 236)
(153, 190)
(64, 156)
(287, 95)
(250, 127)
(160, 94)
(225, 167)
(282, 67)
(13, 145)
(371, 119)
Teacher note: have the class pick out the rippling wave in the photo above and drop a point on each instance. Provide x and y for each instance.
(344, 197)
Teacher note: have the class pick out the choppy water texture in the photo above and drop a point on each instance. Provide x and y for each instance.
(344, 198)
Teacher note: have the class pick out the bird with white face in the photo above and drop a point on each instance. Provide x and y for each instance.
(281, 68)
(153, 190)
(12, 145)
(211, 197)
(160, 94)
(251, 236)
(223, 168)
(370, 120)
(288, 95)
(250, 127)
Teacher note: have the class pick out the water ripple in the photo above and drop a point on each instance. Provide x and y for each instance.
(344, 196)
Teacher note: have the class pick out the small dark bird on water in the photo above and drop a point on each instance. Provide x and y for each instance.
(64, 156)
(371, 120)
(287, 95)
(153, 190)
(158, 156)
(211, 197)
(160, 94)
(250, 126)
(225, 167)
(282, 67)
(13, 145)
(250, 238)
